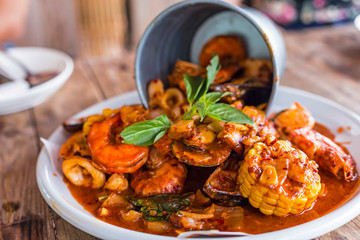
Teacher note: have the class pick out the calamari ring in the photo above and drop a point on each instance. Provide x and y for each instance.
(80, 172)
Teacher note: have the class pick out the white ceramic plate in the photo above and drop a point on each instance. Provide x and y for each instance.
(37, 60)
(57, 195)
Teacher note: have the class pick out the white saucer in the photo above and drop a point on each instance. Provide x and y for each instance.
(37, 60)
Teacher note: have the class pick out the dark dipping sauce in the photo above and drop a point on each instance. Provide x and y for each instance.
(337, 192)
(39, 78)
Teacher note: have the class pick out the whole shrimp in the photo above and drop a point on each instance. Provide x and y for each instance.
(107, 150)
(325, 152)
(161, 174)
(296, 124)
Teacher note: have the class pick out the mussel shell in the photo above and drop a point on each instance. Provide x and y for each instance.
(226, 192)
(251, 93)
(74, 125)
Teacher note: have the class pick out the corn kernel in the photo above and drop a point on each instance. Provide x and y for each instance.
(256, 198)
(282, 204)
(256, 193)
(253, 175)
(250, 179)
(282, 210)
(270, 200)
(239, 179)
(299, 206)
(273, 195)
(301, 200)
(267, 206)
(286, 199)
(269, 176)
(266, 211)
(247, 184)
(253, 203)
(263, 190)
(244, 192)
(279, 214)
(296, 210)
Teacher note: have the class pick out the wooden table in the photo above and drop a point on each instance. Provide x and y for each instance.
(325, 61)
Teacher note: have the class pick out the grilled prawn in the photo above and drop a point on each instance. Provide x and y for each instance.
(325, 152)
(296, 124)
(161, 174)
(105, 145)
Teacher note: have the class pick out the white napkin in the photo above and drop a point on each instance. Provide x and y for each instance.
(53, 150)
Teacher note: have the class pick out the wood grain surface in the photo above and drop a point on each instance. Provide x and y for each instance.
(325, 61)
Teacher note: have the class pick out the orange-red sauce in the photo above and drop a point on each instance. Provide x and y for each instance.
(337, 192)
(324, 131)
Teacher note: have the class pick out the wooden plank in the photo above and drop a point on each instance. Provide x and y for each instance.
(23, 214)
(114, 75)
(316, 64)
(79, 92)
(338, 47)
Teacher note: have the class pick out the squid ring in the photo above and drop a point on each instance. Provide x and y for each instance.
(80, 172)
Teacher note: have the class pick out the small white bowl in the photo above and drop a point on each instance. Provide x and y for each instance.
(36, 60)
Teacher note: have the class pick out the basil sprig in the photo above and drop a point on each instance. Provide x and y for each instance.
(147, 132)
(201, 103)
(205, 104)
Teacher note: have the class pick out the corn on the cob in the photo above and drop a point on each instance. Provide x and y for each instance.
(279, 179)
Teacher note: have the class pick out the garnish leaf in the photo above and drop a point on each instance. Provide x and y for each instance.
(201, 107)
(194, 86)
(216, 96)
(205, 104)
(211, 71)
(226, 113)
(147, 132)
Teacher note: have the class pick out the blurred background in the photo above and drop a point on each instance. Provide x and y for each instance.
(107, 27)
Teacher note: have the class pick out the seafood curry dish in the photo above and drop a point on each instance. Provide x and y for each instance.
(204, 156)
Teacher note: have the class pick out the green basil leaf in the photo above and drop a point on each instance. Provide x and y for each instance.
(216, 96)
(211, 71)
(201, 108)
(194, 87)
(147, 132)
(226, 113)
